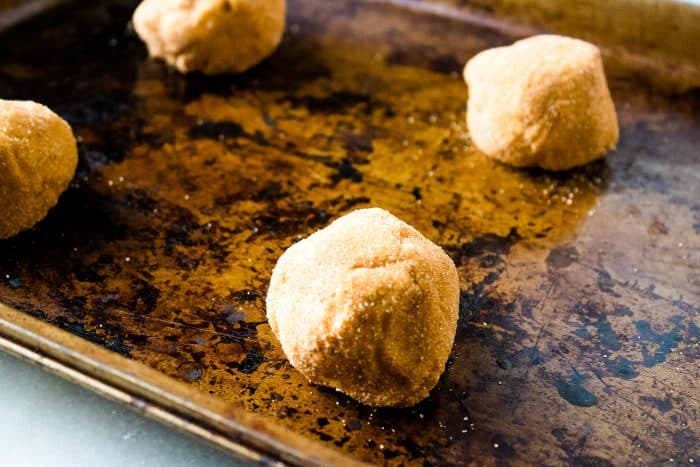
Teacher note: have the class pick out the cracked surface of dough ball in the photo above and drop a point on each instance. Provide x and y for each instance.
(38, 158)
(541, 102)
(211, 36)
(367, 305)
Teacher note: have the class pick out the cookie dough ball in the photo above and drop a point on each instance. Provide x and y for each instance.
(211, 36)
(368, 306)
(541, 102)
(38, 157)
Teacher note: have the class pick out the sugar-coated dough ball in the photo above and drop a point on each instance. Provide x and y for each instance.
(368, 306)
(541, 102)
(38, 157)
(211, 36)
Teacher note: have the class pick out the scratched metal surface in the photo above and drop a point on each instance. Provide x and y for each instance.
(578, 337)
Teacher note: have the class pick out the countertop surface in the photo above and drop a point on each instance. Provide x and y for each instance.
(48, 421)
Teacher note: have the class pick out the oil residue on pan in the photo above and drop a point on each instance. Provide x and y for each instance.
(578, 335)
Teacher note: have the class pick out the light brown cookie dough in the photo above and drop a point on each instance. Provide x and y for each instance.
(368, 306)
(38, 157)
(211, 36)
(541, 102)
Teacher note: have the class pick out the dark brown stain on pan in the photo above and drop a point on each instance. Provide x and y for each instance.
(577, 324)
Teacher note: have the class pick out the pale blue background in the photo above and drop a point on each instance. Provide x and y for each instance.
(46, 421)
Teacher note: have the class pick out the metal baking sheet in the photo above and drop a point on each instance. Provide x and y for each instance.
(578, 339)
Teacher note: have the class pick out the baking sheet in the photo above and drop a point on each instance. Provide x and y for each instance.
(578, 334)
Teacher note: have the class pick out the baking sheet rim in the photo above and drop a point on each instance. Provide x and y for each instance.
(243, 434)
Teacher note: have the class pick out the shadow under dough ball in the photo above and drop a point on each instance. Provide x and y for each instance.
(541, 102)
(367, 305)
(38, 158)
(211, 36)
